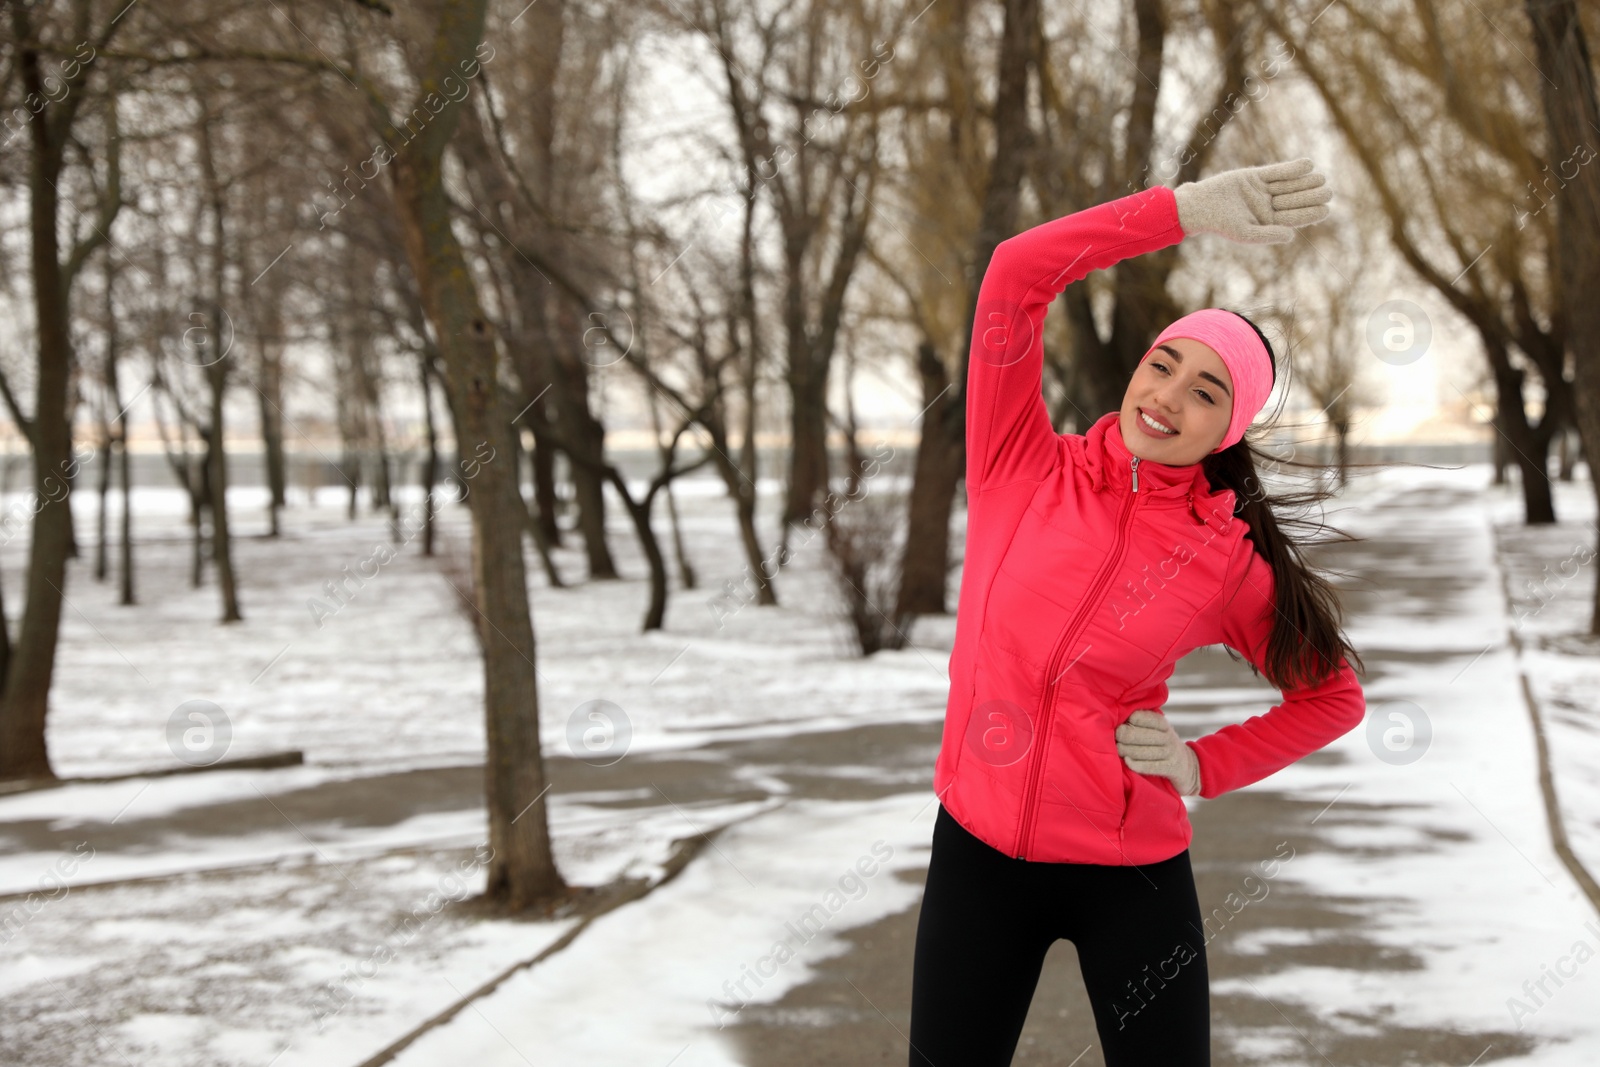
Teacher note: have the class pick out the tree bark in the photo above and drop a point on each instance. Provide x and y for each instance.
(23, 753)
(1489, 314)
(522, 870)
(24, 703)
(108, 433)
(536, 528)
(1527, 445)
(686, 574)
(269, 395)
(544, 490)
(217, 378)
(430, 460)
(941, 452)
(1572, 114)
(925, 560)
(569, 376)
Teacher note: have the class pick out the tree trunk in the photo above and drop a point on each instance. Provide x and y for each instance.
(546, 25)
(807, 377)
(579, 428)
(217, 378)
(811, 351)
(266, 310)
(125, 543)
(361, 356)
(103, 485)
(5, 641)
(24, 702)
(1499, 459)
(350, 467)
(108, 432)
(522, 870)
(536, 528)
(1528, 445)
(639, 511)
(269, 394)
(1571, 115)
(925, 559)
(740, 476)
(199, 508)
(430, 461)
(544, 489)
(941, 453)
(116, 457)
(686, 575)
(742, 487)
(217, 478)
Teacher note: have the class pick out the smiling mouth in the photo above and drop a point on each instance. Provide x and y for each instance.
(1159, 427)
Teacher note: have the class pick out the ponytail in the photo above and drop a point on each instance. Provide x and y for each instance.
(1307, 642)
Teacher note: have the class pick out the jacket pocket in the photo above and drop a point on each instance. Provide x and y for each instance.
(1080, 778)
(1154, 810)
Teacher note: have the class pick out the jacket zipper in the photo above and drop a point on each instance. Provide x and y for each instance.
(1089, 603)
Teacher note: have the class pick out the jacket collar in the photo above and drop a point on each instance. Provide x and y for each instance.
(1110, 465)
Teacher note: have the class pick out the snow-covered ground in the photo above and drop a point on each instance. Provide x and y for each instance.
(311, 940)
(241, 964)
(1548, 573)
(392, 678)
(1459, 871)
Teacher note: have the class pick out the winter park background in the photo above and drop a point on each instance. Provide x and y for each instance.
(270, 689)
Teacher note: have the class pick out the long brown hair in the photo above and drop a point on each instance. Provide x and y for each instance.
(1307, 641)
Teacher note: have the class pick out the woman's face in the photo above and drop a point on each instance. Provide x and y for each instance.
(1185, 386)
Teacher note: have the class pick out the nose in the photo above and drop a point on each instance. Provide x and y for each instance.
(1164, 394)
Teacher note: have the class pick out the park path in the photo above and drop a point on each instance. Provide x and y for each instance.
(1426, 615)
(1419, 899)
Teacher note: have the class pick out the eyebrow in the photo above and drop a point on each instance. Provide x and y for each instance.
(1175, 354)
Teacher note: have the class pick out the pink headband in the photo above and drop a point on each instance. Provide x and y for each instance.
(1248, 363)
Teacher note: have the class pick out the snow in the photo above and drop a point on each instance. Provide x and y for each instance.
(249, 939)
(400, 651)
(674, 962)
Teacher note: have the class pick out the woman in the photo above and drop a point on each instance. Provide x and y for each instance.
(1093, 563)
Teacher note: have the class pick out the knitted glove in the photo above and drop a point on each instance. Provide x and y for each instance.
(1259, 205)
(1149, 745)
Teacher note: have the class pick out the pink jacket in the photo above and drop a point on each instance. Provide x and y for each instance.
(1088, 574)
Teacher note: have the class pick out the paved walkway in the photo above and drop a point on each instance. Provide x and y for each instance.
(1415, 573)
(1420, 575)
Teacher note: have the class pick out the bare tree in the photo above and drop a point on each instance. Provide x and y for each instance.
(413, 108)
(53, 131)
(1457, 227)
(115, 460)
(818, 164)
(215, 356)
(941, 452)
(1571, 113)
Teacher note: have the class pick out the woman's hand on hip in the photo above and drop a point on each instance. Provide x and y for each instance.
(1148, 744)
(1257, 205)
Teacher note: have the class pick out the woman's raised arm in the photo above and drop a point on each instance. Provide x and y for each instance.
(1009, 436)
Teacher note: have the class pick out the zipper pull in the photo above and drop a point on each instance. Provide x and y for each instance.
(1135, 474)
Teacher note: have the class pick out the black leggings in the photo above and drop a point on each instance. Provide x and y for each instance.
(988, 919)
